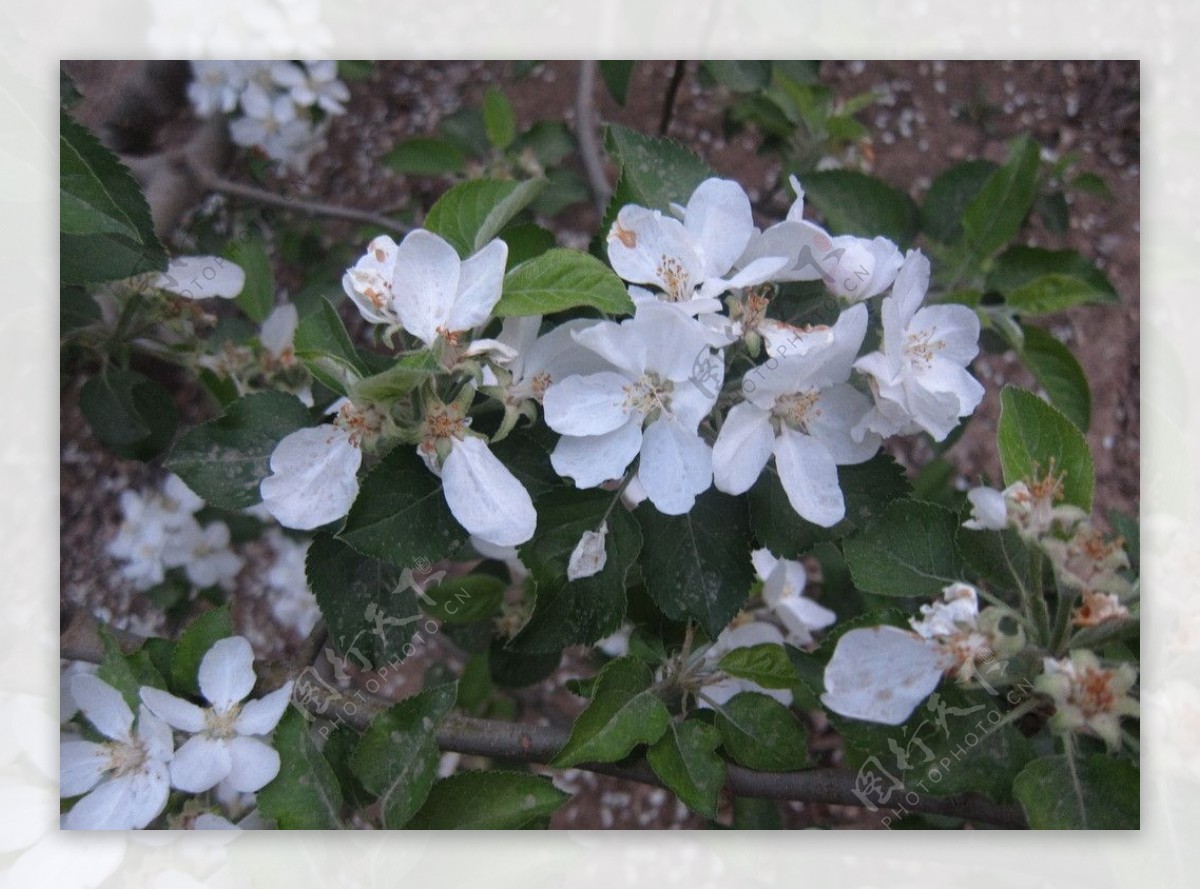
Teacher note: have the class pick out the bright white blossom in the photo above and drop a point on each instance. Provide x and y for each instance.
(801, 409)
(538, 361)
(314, 477)
(292, 602)
(201, 277)
(1088, 697)
(209, 561)
(654, 384)
(783, 592)
(226, 741)
(854, 269)
(880, 674)
(316, 83)
(920, 376)
(690, 260)
(989, 512)
(125, 781)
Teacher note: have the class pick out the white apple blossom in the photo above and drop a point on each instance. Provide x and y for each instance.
(1088, 697)
(316, 83)
(368, 283)
(217, 86)
(690, 259)
(801, 409)
(880, 674)
(314, 477)
(538, 361)
(125, 780)
(292, 602)
(589, 556)
(920, 376)
(989, 512)
(655, 383)
(201, 277)
(963, 635)
(852, 268)
(208, 560)
(783, 592)
(226, 741)
(159, 532)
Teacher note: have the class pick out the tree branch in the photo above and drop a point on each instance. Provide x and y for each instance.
(585, 132)
(503, 740)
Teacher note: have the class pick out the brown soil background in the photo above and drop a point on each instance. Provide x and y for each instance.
(928, 116)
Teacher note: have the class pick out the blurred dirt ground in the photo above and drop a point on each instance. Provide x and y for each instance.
(928, 115)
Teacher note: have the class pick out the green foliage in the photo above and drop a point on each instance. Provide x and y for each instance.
(950, 195)
(106, 232)
(854, 203)
(193, 645)
(257, 298)
(760, 733)
(740, 77)
(306, 795)
(623, 713)
(616, 75)
(1035, 438)
(562, 279)
(654, 172)
(323, 344)
(133, 416)
(1099, 792)
(698, 565)
(464, 599)
(398, 756)
(225, 459)
(908, 551)
(471, 214)
(400, 515)
(398, 381)
(1058, 372)
(424, 156)
(128, 673)
(1034, 280)
(499, 119)
(586, 609)
(766, 664)
(489, 800)
(686, 760)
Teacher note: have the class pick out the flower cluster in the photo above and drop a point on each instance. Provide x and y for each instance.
(160, 532)
(283, 106)
(124, 782)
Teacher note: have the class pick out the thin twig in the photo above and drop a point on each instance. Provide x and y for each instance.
(585, 132)
(668, 109)
(504, 740)
(212, 181)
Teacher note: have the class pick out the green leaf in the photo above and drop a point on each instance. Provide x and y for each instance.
(498, 118)
(1051, 293)
(396, 383)
(423, 156)
(76, 310)
(756, 814)
(526, 453)
(257, 298)
(1059, 374)
(999, 557)
(464, 599)
(562, 279)
(466, 130)
(1018, 269)
(698, 565)
(550, 142)
(950, 195)
(133, 416)
(127, 673)
(1092, 184)
(106, 232)
(766, 664)
(1034, 438)
(369, 606)
(563, 189)
(622, 714)
(997, 213)
(740, 77)
(907, 551)
(587, 609)
(325, 347)
(526, 241)
(616, 74)
(1052, 209)
(473, 213)
(306, 794)
(398, 756)
(400, 514)
(225, 459)
(654, 172)
(1106, 793)
(489, 800)
(760, 733)
(515, 670)
(867, 489)
(854, 203)
(193, 645)
(685, 759)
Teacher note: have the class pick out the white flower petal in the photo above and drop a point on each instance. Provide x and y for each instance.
(785, 581)
(989, 510)
(155, 734)
(103, 706)
(425, 281)
(718, 216)
(175, 711)
(800, 616)
(484, 496)
(764, 561)
(314, 477)
(213, 822)
(955, 329)
(742, 449)
(588, 406)
(880, 674)
(809, 478)
(279, 328)
(200, 763)
(130, 801)
(592, 460)
(912, 282)
(838, 410)
(676, 466)
(253, 764)
(260, 716)
(80, 766)
(200, 277)
(227, 672)
(589, 556)
(479, 284)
